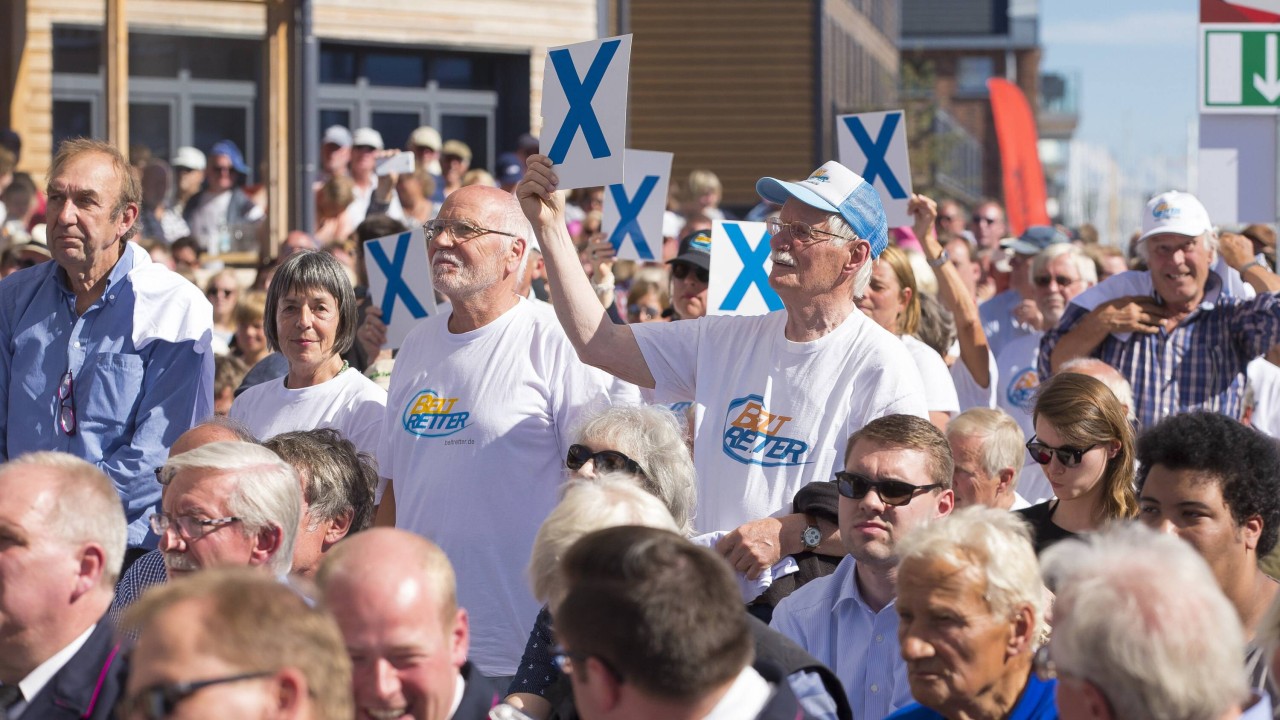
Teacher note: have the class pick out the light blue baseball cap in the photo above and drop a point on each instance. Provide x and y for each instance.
(836, 189)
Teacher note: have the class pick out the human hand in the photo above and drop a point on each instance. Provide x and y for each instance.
(372, 333)
(601, 253)
(754, 547)
(925, 212)
(1027, 313)
(1133, 313)
(1236, 249)
(543, 205)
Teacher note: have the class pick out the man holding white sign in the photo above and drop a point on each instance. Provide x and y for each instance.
(783, 391)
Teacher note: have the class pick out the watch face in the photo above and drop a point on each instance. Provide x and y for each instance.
(812, 537)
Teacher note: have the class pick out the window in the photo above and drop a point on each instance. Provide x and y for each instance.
(972, 74)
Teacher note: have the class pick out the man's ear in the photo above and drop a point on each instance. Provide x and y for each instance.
(1004, 481)
(128, 217)
(93, 564)
(1251, 530)
(338, 528)
(268, 542)
(859, 254)
(519, 246)
(290, 693)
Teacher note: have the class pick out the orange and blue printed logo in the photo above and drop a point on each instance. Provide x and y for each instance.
(819, 176)
(754, 436)
(430, 414)
(1022, 388)
(1165, 211)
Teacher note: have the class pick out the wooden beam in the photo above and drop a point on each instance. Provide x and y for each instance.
(279, 92)
(116, 49)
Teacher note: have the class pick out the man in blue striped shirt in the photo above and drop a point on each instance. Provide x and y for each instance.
(847, 619)
(1181, 340)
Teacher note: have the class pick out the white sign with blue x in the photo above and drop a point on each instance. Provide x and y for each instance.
(584, 110)
(874, 145)
(400, 282)
(740, 268)
(633, 209)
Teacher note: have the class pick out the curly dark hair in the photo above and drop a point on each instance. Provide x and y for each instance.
(1244, 461)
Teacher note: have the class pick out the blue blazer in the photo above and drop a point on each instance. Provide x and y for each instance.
(88, 686)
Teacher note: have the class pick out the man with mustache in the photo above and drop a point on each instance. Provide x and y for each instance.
(481, 402)
(778, 394)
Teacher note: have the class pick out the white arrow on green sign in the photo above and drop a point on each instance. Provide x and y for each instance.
(1240, 68)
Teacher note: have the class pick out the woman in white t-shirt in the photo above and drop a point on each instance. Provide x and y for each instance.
(892, 301)
(311, 318)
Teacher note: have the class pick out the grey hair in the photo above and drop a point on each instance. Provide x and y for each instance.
(267, 493)
(1085, 267)
(1140, 616)
(338, 477)
(861, 279)
(509, 218)
(1095, 368)
(610, 500)
(995, 542)
(86, 508)
(1001, 436)
(307, 270)
(1210, 242)
(654, 437)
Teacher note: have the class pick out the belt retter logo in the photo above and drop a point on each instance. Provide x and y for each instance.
(753, 436)
(430, 414)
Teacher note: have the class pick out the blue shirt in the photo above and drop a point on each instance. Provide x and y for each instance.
(134, 388)
(146, 571)
(996, 315)
(1036, 703)
(829, 619)
(1199, 366)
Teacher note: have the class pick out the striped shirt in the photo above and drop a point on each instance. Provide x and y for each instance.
(1199, 366)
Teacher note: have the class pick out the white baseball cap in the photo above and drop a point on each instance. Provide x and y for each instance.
(1175, 212)
(189, 157)
(367, 137)
(337, 135)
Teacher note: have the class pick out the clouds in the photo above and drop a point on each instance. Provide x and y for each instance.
(1139, 29)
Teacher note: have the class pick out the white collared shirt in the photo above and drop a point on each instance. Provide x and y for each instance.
(34, 682)
(459, 687)
(746, 697)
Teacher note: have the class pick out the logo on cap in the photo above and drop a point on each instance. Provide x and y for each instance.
(702, 242)
(1165, 211)
(819, 175)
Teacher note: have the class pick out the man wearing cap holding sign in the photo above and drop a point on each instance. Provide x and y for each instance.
(784, 391)
(1179, 338)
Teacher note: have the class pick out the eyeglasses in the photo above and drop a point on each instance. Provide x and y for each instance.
(67, 404)
(461, 230)
(1068, 456)
(644, 310)
(1046, 280)
(221, 169)
(984, 220)
(159, 701)
(605, 460)
(188, 527)
(892, 492)
(224, 292)
(1042, 664)
(564, 659)
(680, 271)
(801, 232)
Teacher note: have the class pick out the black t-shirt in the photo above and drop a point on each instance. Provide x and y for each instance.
(1043, 532)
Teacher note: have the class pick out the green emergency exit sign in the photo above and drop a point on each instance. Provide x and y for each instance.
(1240, 68)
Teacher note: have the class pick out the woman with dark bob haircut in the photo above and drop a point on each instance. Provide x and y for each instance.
(311, 319)
(1085, 444)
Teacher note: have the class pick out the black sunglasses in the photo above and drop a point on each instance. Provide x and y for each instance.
(892, 492)
(159, 701)
(680, 271)
(1046, 280)
(1068, 456)
(605, 460)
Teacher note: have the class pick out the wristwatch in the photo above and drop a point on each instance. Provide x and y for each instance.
(939, 261)
(812, 536)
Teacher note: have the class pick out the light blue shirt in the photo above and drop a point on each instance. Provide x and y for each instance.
(131, 403)
(829, 618)
(996, 315)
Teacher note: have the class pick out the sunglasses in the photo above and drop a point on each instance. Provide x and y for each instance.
(67, 404)
(892, 492)
(983, 220)
(222, 169)
(224, 292)
(1046, 280)
(644, 310)
(1068, 456)
(605, 460)
(680, 271)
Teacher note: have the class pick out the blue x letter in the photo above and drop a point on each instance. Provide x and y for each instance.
(579, 95)
(877, 166)
(395, 285)
(752, 270)
(629, 216)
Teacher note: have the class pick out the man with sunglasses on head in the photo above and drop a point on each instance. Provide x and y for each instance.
(479, 411)
(104, 354)
(777, 395)
(896, 478)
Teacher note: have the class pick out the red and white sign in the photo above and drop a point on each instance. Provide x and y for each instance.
(1239, 11)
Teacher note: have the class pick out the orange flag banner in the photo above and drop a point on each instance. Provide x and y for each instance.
(1024, 193)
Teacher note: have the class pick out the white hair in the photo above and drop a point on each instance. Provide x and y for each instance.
(837, 225)
(1085, 266)
(87, 507)
(654, 437)
(1001, 437)
(267, 493)
(1140, 616)
(995, 542)
(610, 500)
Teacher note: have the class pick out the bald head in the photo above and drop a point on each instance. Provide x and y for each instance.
(1107, 375)
(381, 558)
(220, 430)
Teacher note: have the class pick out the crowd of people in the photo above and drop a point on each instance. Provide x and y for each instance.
(959, 475)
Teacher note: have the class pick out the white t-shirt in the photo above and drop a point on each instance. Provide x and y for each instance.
(939, 389)
(348, 402)
(1017, 396)
(358, 210)
(1264, 386)
(777, 413)
(968, 391)
(477, 428)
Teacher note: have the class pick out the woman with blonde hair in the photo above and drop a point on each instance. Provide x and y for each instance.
(1085, 443)
(892, 300)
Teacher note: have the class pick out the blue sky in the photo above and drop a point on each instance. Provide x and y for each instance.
(1136, 61)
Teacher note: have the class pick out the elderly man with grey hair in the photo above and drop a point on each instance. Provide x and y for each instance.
(970, 611)
(1142, 631)
(62, 543)
(987, 447)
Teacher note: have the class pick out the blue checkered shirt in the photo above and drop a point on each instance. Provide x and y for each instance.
(146, 571)
(1198, 366)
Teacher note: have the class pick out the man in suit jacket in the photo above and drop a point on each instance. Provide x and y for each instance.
(394, 596)
(62, 542)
